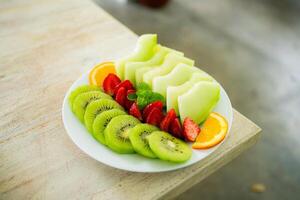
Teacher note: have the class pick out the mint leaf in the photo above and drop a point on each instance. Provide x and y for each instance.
(157, 97)
(144, 93)
(143, 86)
(142, 102)
(132, 96)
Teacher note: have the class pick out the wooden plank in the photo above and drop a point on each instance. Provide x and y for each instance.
(45, 46)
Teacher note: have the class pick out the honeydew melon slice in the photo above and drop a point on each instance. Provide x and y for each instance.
(180, 74)
(145, 48)
(139, 73)
(199, 101)
(131, 67)
(171, 60)
(173, 92)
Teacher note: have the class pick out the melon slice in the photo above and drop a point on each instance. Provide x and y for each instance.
(171, 60)
(157, 59)
(180, 74)
(199, 101)
(145, 48)
(173, 92)
(139, 73)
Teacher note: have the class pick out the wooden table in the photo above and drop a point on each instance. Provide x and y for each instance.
(44, 47)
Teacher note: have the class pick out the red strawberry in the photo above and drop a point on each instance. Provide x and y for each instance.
(121, 96)
(176, 128)
(126, 84)
(128, 103)
(110, 83)
(165, 124)
(190, 129)
(154, 117)
(149, 108)
(134, 111)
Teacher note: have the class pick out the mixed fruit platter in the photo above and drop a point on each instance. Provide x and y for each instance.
(153, 102)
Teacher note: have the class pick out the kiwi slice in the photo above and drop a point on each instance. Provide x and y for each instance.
(79, 90)
(82, 101)
(95, 108)
(137, 136)
(101, 122)
(167, 147)
(116, 133)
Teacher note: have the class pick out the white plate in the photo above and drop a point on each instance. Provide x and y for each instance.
(131, 162)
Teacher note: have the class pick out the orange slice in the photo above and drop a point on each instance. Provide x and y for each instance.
(99, 73)
(212, 133)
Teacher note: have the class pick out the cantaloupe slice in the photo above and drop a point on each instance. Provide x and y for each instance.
(180, 74)
(145, 48)
(173, 92)
(157, 59)
(199, 101)
(171, 60)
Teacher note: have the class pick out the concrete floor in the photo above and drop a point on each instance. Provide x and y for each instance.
(252, 48)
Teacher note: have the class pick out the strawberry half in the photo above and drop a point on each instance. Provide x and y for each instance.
(156, 104)
(110, 83)
(154, 117)
(134, 111)
(121, 96)
(128, 103)
(190, 129)
(165, 124)
(176, 128)
(126, 84)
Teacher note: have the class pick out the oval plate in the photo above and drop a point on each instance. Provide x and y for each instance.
(131, 162)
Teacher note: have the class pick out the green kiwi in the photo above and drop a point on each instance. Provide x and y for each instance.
(167, 147)
(79, 90)
(95, 108)
(101, 122)
(137, 136)
(82, 101)
(116, 133)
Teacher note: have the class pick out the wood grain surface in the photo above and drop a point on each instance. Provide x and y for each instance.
(44, 47)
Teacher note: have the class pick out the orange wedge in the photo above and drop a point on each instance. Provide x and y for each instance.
(212, 133)
(99, 73)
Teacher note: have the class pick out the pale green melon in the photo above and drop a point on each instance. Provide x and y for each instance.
(199, 101)
(170, 61)
(143, 69)
(145, 48)
(173, 92)
(139, 73)
(131, 67)
(179, 75)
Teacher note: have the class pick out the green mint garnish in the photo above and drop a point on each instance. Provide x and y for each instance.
(145, 96)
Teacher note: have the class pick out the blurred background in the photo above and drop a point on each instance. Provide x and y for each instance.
(253, 49)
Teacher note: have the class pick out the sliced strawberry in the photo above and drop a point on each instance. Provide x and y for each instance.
(156, 104)
(121, 96)
(128, 103)
(176, 128)
(110, 83)
(165, 124)
(155, 116)
(134, 111)
(126, 84)
(190, 129)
